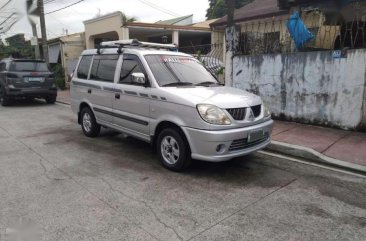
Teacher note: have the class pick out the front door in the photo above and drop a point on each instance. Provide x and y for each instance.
(131, 104)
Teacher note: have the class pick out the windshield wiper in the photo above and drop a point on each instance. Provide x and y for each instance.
(178, 84)
(207, 83)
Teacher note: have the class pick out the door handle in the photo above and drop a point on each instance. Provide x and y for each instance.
(89, 91)
(117, 96)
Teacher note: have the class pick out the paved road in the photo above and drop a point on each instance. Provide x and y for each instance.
(110, 188)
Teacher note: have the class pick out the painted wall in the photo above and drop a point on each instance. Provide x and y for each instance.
(310, 87)
(104, 25)
(72, 47)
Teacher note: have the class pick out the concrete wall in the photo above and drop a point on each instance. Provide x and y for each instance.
(310, 87)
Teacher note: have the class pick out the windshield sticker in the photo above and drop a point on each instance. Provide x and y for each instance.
(178, 60)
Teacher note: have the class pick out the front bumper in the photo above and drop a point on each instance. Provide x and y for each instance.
(30, 92)
(204, 143)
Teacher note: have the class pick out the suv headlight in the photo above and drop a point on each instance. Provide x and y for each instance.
(267, 112)
(213, 114)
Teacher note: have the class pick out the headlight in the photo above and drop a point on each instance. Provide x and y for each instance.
(213, 114)
(267, 112)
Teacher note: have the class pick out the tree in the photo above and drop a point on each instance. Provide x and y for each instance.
(127, 19)
(218, 8)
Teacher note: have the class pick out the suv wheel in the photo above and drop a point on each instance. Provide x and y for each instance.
(172, 150)
(88, 123)
(51, 99)
(5, 101)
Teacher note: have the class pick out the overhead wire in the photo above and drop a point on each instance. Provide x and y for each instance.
(159, 8)
(4, 5)
(49, 1)
(64, 7)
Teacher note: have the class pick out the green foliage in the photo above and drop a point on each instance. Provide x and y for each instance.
(127, 19)
(16, 50)
(218, 8)
(220, 71)
(59, 73)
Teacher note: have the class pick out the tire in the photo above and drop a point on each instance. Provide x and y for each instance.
(5, 101)
(51, 99)
(89, 125)
(173, 150)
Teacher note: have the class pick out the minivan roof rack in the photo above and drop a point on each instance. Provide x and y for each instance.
(135, 43)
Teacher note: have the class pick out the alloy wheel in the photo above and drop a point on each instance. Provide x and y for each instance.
(170, 150)
(87, 124)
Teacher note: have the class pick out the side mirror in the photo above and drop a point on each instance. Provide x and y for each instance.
(138, 78)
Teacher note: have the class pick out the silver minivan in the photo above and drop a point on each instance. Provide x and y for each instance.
(153, 93)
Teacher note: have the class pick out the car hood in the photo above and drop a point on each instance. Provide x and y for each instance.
(223, 97)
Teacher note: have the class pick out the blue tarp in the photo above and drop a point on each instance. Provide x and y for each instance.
(298, 31)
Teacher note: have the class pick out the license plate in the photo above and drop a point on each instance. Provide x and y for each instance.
(255, 136)
(34, 79)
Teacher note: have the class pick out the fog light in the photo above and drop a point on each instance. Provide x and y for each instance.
(220, 148)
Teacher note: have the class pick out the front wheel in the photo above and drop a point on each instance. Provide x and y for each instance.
(51, 99)
(173, 151)
(89, 124)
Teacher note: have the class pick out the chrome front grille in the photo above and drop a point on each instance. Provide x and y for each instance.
(237, 113)
(241, 144)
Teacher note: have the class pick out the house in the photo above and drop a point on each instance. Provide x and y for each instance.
(263, 24)
(180, 31)
(66, 50)
(342, 24)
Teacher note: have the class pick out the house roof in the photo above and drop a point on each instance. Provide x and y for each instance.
(174, 20)
(204, 24)
(255, 10)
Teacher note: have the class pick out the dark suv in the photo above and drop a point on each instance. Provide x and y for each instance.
(23, 78)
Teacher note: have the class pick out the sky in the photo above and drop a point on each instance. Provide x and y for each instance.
(72, 18)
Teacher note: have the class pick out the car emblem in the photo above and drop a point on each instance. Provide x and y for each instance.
(251, 115)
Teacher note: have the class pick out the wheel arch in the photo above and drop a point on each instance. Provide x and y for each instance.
(165, 125)
(82, 105)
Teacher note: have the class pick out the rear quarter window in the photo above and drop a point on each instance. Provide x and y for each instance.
(84, 66)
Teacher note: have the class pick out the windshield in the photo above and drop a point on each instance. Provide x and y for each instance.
(170, 70)
(29, 66)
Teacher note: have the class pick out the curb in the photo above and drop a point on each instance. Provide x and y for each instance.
(63, 102)
(314, 156)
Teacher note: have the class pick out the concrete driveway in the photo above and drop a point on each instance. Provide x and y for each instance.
(69, 187)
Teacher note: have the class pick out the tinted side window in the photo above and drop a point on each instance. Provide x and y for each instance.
(83, 69)
(104, 67)
(131, 64)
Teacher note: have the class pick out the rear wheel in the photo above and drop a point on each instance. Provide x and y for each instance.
(51, 99)
(88, 123)
(172, 150)
(5, 100)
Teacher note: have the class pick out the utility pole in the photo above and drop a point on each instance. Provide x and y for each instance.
(43, 30)
(33, 12)
(231, 42)
(35, 35)
(230, 12)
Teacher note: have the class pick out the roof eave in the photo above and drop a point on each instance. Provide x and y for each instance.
(244, 19)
